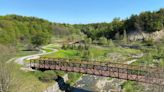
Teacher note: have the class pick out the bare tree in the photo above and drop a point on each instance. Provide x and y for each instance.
(5, 69)
(139, 29)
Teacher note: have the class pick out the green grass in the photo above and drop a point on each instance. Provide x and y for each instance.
(131, 86)
(152, 56)
(47, 49)
(110, 78)
(25, 53)
(73, 77)
(106, 54)
(26, 81)
(94, 53)
(63, 54)
(55, 46)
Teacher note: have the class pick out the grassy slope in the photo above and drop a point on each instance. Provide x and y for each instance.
(26, 81)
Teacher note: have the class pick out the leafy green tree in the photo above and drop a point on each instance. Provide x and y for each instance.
(40, 39)
(88, 40)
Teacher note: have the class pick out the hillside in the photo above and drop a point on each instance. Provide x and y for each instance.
(16, 29)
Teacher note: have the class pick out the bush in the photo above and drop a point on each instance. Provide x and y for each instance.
(110, 43)
(64, 47)
(73, 77)
(48, 76)
(103, 41)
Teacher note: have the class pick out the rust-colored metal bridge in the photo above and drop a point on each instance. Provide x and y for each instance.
(151, 75)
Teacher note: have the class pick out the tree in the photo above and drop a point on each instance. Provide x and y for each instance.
(125, 39)
(110, 43)
(40, 39)
(117, 24)
(103, 41)
(88, 40)
(117, 36)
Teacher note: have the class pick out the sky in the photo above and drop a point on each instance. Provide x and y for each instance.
(79, 11)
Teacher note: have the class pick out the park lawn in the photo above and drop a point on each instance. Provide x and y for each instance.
(63, 54)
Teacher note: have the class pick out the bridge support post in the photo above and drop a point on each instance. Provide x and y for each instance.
(118, 73)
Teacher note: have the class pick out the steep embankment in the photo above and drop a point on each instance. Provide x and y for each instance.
(136, 35)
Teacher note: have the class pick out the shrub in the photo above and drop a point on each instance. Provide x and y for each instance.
(48, 76)
(103, 41)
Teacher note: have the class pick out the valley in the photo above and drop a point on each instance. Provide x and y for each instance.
(137, 40)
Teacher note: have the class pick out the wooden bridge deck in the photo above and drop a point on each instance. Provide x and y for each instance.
(144, 74)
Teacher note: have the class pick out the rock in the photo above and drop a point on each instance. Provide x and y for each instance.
(136, 35)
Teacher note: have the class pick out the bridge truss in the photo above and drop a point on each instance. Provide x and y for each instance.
(145, 74)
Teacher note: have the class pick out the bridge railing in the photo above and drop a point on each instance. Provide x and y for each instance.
(123, 71)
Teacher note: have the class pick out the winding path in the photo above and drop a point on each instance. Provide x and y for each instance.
(21, 60)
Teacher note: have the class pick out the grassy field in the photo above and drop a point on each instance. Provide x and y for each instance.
(98, 53)
(63, 54)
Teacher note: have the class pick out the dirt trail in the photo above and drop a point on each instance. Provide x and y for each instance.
(21, 60)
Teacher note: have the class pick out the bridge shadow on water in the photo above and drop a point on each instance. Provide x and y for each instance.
(66, 87)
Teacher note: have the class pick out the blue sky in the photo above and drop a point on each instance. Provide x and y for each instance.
(78, 11)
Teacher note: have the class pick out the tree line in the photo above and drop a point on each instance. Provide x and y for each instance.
(144, 22)
(16, 29)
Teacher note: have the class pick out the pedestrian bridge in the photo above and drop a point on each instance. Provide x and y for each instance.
(145, 74)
